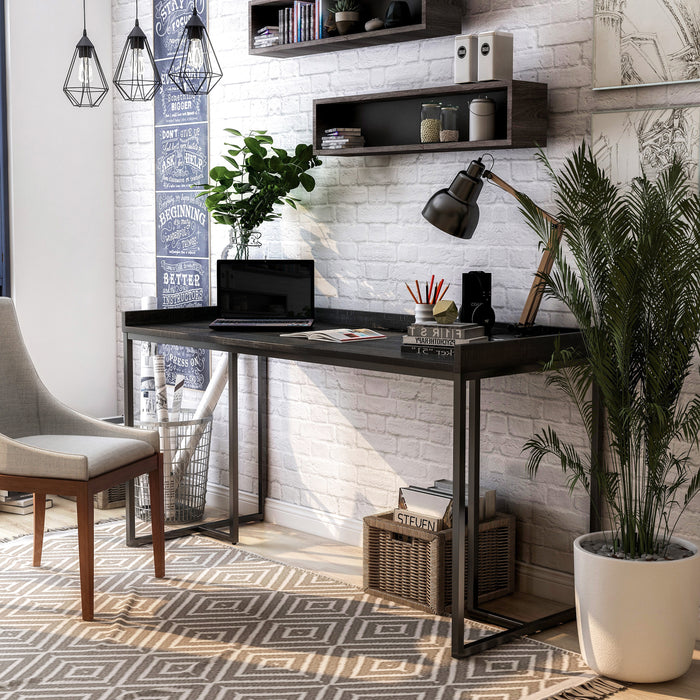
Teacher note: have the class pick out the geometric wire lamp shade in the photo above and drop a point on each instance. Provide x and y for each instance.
(194, 68)
(85, 84)
(137, 77)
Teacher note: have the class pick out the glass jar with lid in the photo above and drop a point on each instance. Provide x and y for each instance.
(430, 122)
(449, 130)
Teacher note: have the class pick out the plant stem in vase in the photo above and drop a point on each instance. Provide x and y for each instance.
(239, 244)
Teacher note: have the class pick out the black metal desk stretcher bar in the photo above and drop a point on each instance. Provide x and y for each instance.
(471, 363)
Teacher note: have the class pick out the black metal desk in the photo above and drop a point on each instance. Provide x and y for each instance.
(473, 362)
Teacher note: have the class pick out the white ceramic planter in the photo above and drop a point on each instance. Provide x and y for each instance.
(636, 619)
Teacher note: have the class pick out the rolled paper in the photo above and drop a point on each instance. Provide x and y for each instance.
(147, 410)
(177, 397)
(206, 407)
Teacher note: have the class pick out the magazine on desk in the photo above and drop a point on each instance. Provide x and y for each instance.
(337, 335)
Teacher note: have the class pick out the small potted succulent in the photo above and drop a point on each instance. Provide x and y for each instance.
(347, 15)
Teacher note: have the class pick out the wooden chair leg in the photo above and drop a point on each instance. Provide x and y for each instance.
(155, 483)
(39, 520)
(86, 552)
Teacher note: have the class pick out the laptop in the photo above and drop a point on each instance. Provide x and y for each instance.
(264, 295)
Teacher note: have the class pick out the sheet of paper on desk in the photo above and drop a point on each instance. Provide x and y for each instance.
(337, 335)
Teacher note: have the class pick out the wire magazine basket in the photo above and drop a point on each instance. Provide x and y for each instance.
(185, 445)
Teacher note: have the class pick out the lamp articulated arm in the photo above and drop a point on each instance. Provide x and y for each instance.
(532, 305)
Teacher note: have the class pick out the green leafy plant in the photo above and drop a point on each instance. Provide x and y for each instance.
(258, 177)
(633, 286)
(345, 6)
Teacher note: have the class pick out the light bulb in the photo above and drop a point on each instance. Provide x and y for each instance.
(85, 71)
(138, 66)
(195, 55)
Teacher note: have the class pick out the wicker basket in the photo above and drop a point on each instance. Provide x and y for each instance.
(185, 489)
(114, 497)
(414, 566)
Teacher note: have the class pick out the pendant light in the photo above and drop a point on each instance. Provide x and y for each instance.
(194, 68)
(137, 77)
(85, 84)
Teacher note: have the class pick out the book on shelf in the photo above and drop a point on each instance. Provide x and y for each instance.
(266, 36)
(442, 330)
(17, 508)
(419, 520)
(343, 131)
(342, 142)
(340, 146)
(342, 138)
(263, 42)
(337, 335)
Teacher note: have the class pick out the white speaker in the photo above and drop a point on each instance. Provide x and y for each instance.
(495, 56)
(466, 63)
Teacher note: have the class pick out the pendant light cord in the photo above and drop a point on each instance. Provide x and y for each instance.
(84, 19)
(137, 10)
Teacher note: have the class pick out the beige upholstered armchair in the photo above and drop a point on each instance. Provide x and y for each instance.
(47, 448)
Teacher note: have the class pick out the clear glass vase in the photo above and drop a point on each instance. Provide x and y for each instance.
(239, 244)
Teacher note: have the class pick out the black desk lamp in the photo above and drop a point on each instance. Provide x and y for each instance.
(454, 210)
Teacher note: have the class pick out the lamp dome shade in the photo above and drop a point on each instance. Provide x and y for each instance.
(454, 210)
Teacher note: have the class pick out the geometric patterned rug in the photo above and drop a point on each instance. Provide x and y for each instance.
(229, 625)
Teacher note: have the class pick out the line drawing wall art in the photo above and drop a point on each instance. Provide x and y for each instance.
(628, 144)
(645, 42)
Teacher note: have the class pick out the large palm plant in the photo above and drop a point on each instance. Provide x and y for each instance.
(631, 279)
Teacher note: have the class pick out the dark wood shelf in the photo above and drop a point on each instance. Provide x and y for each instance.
(390, 121)
(432, 18)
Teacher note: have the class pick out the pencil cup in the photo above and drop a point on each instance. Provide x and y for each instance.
(424, 313)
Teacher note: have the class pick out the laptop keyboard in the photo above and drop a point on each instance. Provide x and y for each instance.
(233, 324)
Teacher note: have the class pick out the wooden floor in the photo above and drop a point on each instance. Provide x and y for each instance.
(345, 562)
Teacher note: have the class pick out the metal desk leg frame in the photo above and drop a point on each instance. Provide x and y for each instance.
(513, 628)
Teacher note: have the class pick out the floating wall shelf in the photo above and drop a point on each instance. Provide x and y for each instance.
(432, 18)
(390, 121)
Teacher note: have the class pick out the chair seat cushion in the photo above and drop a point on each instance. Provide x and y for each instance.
(103, 454)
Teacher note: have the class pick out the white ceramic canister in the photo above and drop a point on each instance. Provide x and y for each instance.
(482, 119)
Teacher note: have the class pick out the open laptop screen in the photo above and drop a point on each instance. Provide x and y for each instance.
(265, 289)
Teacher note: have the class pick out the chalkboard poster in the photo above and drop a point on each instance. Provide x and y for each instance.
(169, 20)
(182, 225)
(182, 221)
(174, 107)
(183, 282)
(181, 156)
(192, 362)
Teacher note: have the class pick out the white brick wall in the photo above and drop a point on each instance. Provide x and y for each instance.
(342, 441)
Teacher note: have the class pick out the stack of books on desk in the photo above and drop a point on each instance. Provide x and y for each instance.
(440, 339)
(342, 137)
(19, 502)
(267, 36)
(431, 508)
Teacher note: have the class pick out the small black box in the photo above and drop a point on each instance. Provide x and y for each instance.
(476, 298)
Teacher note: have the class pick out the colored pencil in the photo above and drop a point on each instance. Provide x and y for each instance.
(444, 291)
(420, 298)
(411, 293)
(430, 291)
(437, 291)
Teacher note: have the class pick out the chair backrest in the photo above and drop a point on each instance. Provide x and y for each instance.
(21, 392)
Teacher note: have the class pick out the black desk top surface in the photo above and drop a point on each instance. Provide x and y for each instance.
(507, 353)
